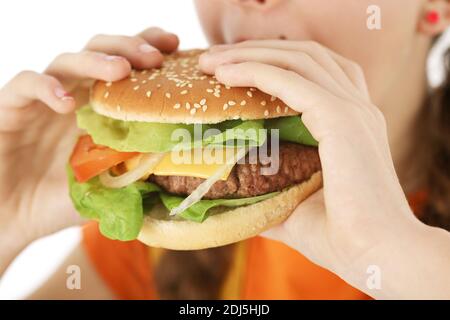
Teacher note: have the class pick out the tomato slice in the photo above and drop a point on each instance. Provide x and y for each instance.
(88, 159)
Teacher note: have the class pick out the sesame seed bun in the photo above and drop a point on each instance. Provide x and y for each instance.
(180, 93)
(227, 226)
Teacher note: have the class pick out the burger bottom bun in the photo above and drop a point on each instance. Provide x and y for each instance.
(227, 226)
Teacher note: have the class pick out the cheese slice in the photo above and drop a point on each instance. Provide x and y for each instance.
(199, 163)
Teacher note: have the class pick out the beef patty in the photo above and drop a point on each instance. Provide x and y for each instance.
(297, 163)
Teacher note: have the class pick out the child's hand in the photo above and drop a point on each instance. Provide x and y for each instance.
(38, 129)
(362, 207)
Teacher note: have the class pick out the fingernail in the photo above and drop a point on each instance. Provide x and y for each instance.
(114, 58)
(63, 94)
(146, 48)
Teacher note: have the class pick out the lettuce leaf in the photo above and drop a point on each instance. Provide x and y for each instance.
(120, 212)
(292, 129)
(134, 136)
(199, 211)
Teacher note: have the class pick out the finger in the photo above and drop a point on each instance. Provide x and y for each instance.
(296, 61)
(345, 72)
(305, 229)
(139, 52)
(296, 91)
(353, 71)
(30, 86)
(70, 67)
(164, 41)
(317, 105)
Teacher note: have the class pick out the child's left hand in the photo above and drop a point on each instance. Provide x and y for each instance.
(362, 212)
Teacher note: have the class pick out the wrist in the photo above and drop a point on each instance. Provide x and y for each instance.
(382, 271)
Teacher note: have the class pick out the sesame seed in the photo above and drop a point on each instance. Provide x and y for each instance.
(149, 94)
(272, 98)
(193, 111)
(209, 90)
(118, 108)
(225, 106)
(231, 103)
(205, 107)
(228, 87)
(217, 94)
(184, 92)
(133, 80)
(168, 95)
(106, 95)
(243, 103)
(252, 89)
(158, 85)
(190, 85)
(286, 110)
(188, 105)
(177, 106)
(144, 81)
(136, 88)
(278, 109)
(212, 82)
(264, 103)
(197, 106)
(109, 84)
(250, 94)
(266, 113)
(218, 86)
(144, 72)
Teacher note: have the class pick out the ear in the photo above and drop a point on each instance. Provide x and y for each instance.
(435, 17)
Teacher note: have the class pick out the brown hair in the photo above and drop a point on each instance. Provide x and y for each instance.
(199, 274)
(434, 138)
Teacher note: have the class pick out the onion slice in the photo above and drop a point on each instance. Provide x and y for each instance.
(147, 163)
(204, 187)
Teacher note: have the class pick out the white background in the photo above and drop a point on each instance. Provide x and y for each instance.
(32, 32)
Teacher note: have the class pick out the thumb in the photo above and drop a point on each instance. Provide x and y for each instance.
(304, 230)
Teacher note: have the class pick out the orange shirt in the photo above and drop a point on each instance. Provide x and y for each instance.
(261, 269)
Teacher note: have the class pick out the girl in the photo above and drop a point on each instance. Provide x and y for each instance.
(363, 94)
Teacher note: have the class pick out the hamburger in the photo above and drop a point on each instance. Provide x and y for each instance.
(174, 158)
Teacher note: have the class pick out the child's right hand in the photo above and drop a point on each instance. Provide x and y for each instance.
(38, 129)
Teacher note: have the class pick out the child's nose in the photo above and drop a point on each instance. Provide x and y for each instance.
(258, 4)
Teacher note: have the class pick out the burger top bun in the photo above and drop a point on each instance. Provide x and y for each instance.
(179, 92)
(230, 226)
